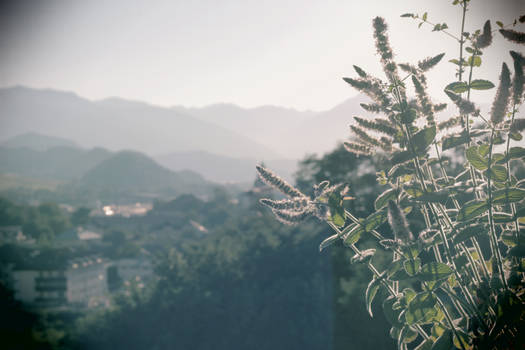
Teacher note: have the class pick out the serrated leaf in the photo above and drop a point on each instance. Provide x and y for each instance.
(382, 200)
(509, 239)
(452, 141)
(434, 197)
(457, 87)
(375, 220)
(423, 138)
(412, 266)
(434, 271)
(353, 235)
(401, 157)
(421, 309)
(475, 158)
(480, 84)
(364, 256)
(498, 173)
(502, 218)
(472, 209)
(516, 152)
(468, 232)
(370, 294)
(337, 211)
(508, 195)
(328, 242)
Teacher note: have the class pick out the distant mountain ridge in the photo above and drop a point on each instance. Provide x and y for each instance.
(293, 133)
(224, 169)
(37, 142)
(117, 124)
(263, 133)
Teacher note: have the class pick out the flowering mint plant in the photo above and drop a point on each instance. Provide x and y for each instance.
(459, 283)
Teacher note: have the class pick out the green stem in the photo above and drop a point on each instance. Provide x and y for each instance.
(450, 322)
(496, 252)
(512, 205)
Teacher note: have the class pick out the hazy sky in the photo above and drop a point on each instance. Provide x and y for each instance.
(290, 53)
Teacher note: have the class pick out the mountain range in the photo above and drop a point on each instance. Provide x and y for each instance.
(263, 133)
(58, 135)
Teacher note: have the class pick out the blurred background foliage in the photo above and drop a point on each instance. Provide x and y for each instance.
(251, 284)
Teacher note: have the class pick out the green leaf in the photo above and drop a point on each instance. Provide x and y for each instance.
(407, 15)
(516, 152)
(463, 339)
(393, 268)
(500, 24)
(476, 159)
(353, 235)
(475, 61)
(434, 197)
(444, 342)
(425, 15)
(502, 218)
(390, 314)
(406, 335)
(365, 256)
(472, 209)
(480, 84)
(517, 251)
(454, 140)
(337, 211)
(498, 173)
(421, 309)
(457, 87)
(508, 195)
(434, 271)
(375, 220)
(329, 241)
(382, 200)
(370, 294)
(468, 232)
(414, 190)
(509, 238)
(515, 135)
(401, 157)
(412, 251)
(412, 266)
(424, 138)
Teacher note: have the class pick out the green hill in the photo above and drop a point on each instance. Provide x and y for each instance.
(58, 163)
(132, 171)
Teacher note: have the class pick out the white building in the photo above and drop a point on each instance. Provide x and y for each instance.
(80, 283)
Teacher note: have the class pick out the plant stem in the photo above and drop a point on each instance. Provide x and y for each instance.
(512, 205)
(496, 252)
(450, 322)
